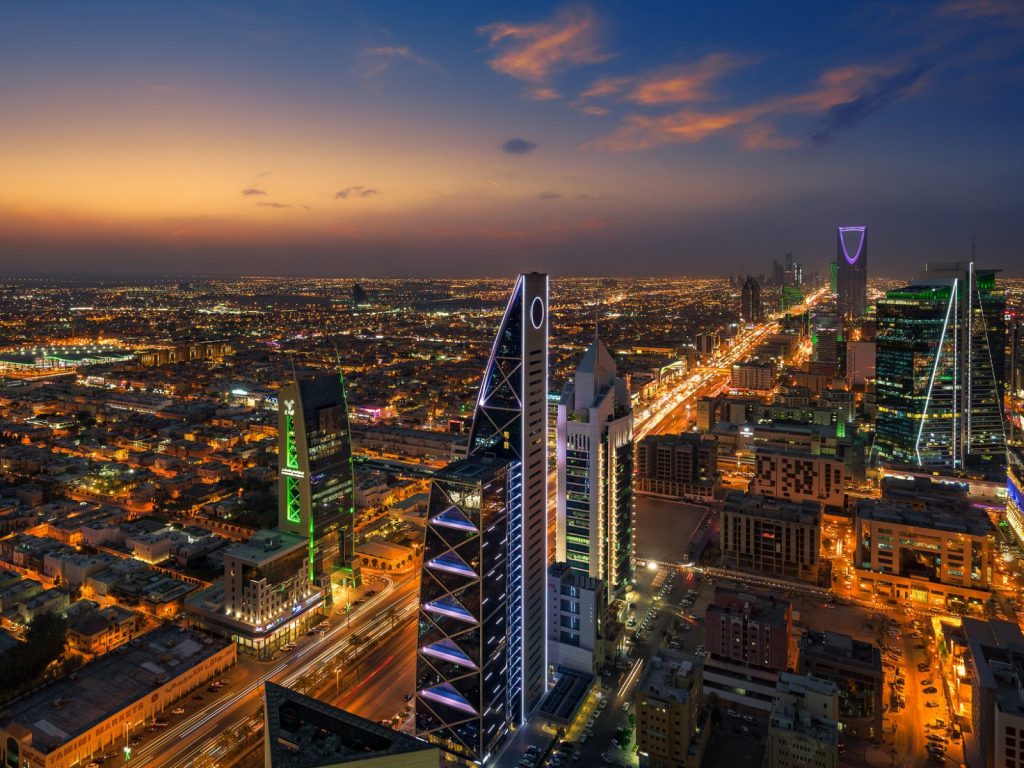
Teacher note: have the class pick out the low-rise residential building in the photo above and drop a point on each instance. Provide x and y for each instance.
(856, 669)
(672, 725)
(101, 630)
(803, 730)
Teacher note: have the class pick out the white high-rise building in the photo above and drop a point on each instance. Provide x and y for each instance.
(595, 472)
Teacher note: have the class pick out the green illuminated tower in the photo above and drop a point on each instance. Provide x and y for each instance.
(316, 491)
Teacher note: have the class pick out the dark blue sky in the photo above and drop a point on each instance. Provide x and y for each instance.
(344, 138)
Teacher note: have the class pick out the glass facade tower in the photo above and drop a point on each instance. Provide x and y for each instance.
(316, 489)
(940, 371)
(493, 583)
(595, 472)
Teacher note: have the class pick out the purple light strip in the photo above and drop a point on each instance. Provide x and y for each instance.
(452, 699)
(450, 611)
(454, 656)
(460, 569)
(860, 246)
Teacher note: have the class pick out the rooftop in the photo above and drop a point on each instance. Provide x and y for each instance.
(73, 704)
(840, 647)
(304, 733)
(805, 512)
(265, 545)
(671, 675)
(898, 513)
(756, 605)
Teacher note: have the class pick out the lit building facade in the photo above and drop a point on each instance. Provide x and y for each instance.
(316, 490)
(1015, 494)
(679, 466)
(595, 472)
(851, 271)
(929, 556)
(576, 614)
(803, 730)
(797, 476)
(672, 726)
(482, 658)
(856, 669)
(940, 362)
(771, 536)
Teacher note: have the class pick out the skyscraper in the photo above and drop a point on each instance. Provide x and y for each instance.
(595, 471)
(316, 493)
(852, 271)
(751, 301)
(481, 665)
(940, 370)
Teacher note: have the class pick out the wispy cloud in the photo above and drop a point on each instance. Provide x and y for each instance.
(840, 99)
(668, 85)
(253, 191)
(536, 52)
(354, 192)
(518, 147)
(1010, 12)
(274, 205)
(550, 196)
(379, 59)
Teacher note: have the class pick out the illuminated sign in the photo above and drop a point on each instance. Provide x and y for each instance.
(293, 472)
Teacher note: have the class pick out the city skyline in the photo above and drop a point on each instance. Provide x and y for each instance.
(354, 140)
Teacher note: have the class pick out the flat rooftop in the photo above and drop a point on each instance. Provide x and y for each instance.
(68, 707)
(805, 512)
(897, 513)
(671, 675)
(266, 545)
(304, 733)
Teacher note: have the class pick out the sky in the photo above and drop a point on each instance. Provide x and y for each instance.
(387, 138)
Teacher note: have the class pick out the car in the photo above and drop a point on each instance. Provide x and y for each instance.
(936, 737)
(198, 697)
(931, 704)
(178, 711)
(929, 681)
(931, 689)
(135, 741)
(748, 718)
(371, 592)
(732, 713)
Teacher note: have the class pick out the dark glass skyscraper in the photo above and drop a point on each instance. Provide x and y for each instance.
(751, 301)
(940, 371)
(481, 663)
(316, 491)
(851, 271)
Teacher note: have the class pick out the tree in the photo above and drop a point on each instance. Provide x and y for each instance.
(44, 644)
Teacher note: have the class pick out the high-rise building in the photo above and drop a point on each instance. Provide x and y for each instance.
(469, 662)
(482, 666)
(316, 493)
(595, 472)
(851, 271)
(751, 301)
(794, 271)
(1015, 494)
(940, 364)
